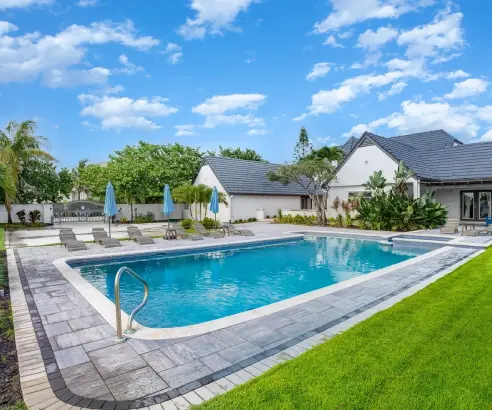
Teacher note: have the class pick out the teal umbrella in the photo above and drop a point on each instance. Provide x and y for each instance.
(214, 203)
(168, 207)
(110, 208)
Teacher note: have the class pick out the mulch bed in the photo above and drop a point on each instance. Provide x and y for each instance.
(10, 391)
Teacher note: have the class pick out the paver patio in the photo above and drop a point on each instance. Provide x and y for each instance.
(84, 366)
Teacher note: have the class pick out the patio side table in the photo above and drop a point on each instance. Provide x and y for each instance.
(170, 234)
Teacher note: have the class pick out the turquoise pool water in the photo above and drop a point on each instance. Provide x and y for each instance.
(189, 288)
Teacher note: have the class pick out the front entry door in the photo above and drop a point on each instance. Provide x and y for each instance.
(476, 205)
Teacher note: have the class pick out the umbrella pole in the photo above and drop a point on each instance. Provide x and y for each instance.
(109, 221)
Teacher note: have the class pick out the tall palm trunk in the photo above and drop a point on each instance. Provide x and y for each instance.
(8, 207)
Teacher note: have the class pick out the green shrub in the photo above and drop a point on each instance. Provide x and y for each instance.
(347, 222)
(280, 213)
(187, 223)
(142, 219)
(339, 220)
(252, 220)
(296, 220)
(332, 221)
(22, 216)
(210, 223)
(34, 216)
(124, 220)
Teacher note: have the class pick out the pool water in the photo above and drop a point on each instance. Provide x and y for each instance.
(192, 288)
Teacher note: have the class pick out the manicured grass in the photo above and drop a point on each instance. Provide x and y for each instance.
(2, 239)
(431, 351)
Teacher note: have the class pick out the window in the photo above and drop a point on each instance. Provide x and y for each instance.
(306, 202)
(468, 205)
(484, 204)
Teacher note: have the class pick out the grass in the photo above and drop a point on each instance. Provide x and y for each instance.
(431, 351)
(2, 240)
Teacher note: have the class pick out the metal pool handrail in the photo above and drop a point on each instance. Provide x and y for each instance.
(129, 329)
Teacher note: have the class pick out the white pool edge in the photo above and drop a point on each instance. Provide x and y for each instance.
(106, 307)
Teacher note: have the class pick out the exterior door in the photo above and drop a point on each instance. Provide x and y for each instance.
(484, 204)
(476, 205)
(468, 205)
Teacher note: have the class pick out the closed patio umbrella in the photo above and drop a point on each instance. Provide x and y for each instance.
(214, 203)
(110, 208)
(168, 207)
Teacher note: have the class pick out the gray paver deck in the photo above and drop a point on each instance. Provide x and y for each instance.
(92, 365)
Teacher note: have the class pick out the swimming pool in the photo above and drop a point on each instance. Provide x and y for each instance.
(191, 287)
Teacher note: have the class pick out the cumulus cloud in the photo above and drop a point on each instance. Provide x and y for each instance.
(348, 12)
(439, 39)
(395, 89)
(487, 136)
(87, 3)
(468, 88)
(54, 58)
(331, 40)
(319, 70)
(11, 4)
(212, 121)
(185, 130)
(124, 112)
(219, 104)
(6, 27)
(257, 132)
(457, 74)
(174, 53)
(212, 17)
(372, 40)
(128, 66)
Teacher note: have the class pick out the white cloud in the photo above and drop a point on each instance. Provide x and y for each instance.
(395, 89)
(185, 130)
(319, 70)
(124, 112)
(487, 136)
(348, 12)
(220, 104)
(468, 88)
(323, 140)
(54, 58)
(437, 39)
(11, 4)
(457, 74)
(6, 27)
(212, 121)
(212, 16)
(257, 132)
(357, 130)
(332, 41)
(372, 40)
(174, 53)
(87, 3)
(129, 67)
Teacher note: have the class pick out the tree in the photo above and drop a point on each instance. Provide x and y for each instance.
(93, 178)
(315, 176)
(77, 182)
(18, 146)
(332, 154)
(303, 147)
(65, 183)
(237, 153)
(196, 196)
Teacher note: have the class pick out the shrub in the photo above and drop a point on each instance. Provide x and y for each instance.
(252, 220)
(187, 223)
(296, 220)
(34, 215)
(347, 222)
(210, 223)
(22, 216)
(124, 220)
(142, 219)
(280, 213)
(339, 220)
(332, 221)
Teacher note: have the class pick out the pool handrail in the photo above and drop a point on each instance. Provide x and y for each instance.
(129, 329)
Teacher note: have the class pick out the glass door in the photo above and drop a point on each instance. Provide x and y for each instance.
(468, 205)
(484, 205)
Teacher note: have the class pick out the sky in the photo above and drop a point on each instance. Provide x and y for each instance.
(99, 74)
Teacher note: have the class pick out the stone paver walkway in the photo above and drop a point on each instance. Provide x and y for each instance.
(85, 367)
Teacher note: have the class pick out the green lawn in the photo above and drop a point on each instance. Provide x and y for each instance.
(2, 239)
(431, 351)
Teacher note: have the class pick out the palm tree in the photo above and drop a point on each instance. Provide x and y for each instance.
(77, 183)
(331, 154)
(19, 145)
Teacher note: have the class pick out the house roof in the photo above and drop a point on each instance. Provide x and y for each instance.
(239, 176)
(349, 145)
(435, 155)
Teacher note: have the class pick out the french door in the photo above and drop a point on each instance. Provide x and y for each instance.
(476, 205)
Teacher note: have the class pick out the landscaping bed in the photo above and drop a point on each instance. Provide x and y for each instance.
(10, 391)
(430, 351)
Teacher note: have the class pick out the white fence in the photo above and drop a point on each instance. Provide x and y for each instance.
(45, 209)
(142, 209)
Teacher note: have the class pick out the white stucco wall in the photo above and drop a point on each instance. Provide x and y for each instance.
(45, 209)
(207, 177)
(156, 209)
(245, 206)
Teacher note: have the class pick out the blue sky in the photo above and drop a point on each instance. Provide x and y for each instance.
(99, 74)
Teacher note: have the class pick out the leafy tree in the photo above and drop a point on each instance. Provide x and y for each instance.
(18, 146)
(238, 153)
(332, 154)
(65, 183)
(197, 197)
(315, 176)
(303, 147)
(94, 178)
(76, 177)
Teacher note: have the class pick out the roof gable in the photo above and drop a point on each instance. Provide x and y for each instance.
(239, 176)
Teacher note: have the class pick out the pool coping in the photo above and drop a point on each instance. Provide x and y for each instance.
(44, 391)
(106, 308)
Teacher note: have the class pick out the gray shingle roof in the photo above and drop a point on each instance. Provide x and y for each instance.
(438, 156)
(239, 176)
(349, 145)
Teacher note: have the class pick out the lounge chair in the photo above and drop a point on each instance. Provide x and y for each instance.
(212, 234)
(234, 231)
(473, 232)
(450, 227)
(180, 232)
(135, 234)
(103, 239)
(71, 243)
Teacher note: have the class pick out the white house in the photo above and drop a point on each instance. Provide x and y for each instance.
(460, 174)
(248, 188)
